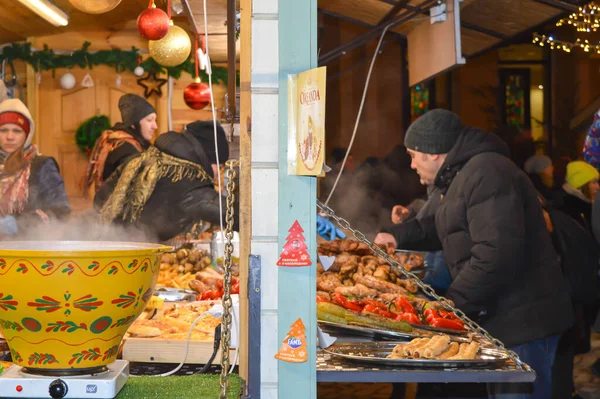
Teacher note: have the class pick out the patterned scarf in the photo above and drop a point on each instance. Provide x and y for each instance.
(107, 142)
(138, 180)
(14, 188)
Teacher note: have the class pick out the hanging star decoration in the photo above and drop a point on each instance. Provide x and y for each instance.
(152, 84)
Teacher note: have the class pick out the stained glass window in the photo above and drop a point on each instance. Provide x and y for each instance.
(419, 101)
(516, 98)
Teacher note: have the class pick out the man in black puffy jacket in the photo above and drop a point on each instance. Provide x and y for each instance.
(489, 221)
(169, 187)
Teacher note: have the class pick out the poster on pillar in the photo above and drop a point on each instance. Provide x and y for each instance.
(295, 251)
(306, 122)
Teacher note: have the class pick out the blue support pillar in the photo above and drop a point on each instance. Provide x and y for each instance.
(297, 201)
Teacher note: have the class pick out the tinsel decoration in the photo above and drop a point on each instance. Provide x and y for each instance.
(46, 60)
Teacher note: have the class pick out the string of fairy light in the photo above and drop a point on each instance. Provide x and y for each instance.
(585, 20)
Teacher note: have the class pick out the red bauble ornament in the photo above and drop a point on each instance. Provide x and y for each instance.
(153, 23)
(197, 95)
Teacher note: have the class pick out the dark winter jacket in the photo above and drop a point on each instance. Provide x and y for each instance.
(173, 208)
(46, 193)
(577, 208)
(418, 233)
(490, 223)
(124, 152)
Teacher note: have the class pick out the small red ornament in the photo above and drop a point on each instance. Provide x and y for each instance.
(153, 23)
(197, 95)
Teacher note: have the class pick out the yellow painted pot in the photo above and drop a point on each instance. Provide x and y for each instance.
(65, 305)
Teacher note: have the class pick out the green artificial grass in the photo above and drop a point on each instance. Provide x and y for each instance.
(198, 386)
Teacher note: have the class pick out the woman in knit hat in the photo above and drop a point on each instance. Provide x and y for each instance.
(170, 187)
(540, 170)
(580, 187)
(31, 188)
(127, 138)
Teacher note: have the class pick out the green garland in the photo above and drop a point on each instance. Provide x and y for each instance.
(121, 60)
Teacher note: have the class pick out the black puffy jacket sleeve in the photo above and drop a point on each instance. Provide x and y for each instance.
(416, 234)
(496, 226)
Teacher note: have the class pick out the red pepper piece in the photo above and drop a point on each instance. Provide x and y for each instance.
(321, 299)
(409, 317)
(404, 305)
(373, 302)
(344, 302)
(235, 289)
(378, 311)
(446, 323)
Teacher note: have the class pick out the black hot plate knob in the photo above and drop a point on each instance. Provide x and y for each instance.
(58, 389)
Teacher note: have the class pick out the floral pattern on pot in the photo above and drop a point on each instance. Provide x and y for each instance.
(73, 309)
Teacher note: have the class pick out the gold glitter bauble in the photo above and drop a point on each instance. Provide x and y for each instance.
(172, 49)
(94, 6)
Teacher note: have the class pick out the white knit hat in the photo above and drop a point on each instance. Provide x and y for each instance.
(16, 105)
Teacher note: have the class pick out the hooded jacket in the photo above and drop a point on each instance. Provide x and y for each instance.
(44, 189)
(174, 207)
(489, 220)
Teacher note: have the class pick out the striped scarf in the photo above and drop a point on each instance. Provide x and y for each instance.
(107, 142)
(14, 188)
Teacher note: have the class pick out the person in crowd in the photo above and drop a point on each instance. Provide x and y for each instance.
(540, 170)
(591, 145)
(168, 188)
(127, 138)
(580, 189)
(31, 188)
(505, 273)
(396, 167)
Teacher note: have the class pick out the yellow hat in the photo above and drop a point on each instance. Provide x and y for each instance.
(580, 173)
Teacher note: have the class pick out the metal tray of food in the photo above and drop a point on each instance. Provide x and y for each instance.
(374, 333)
(377, 352)
(378, 334)
(439, 330)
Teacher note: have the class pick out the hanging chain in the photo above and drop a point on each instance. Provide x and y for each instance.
(344, 224)
(227, 303)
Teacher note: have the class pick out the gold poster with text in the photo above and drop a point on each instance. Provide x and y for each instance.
(306, 122)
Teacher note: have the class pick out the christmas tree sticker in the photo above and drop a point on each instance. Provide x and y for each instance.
(293, 349)
(295, 251)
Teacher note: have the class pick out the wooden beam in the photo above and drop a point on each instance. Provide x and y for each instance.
(231, 61)
(344, 18)
(360, 40)
(245, 177)
(520, 35)
(393, 12)
(561, 5)
(480, 29)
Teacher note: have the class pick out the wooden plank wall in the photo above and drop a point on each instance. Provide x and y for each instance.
(380, 127)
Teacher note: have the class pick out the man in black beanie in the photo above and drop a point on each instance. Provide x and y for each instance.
(127, 138)
(489, 222)
(169, 187)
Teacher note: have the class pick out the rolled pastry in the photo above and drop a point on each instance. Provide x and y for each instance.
(397, 352)
(410, 349)
(417, 352)
(450, 351)
(466, 352)
(437, 346)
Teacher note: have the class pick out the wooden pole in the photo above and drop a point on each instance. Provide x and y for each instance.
(245, 175)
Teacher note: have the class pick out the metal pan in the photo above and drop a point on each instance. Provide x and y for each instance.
(378, 334)
(377, 352)
(373, 333)
(440, 330)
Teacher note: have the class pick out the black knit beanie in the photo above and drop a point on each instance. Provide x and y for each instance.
(203, 131)
(134, 108)
(435, 132)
